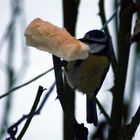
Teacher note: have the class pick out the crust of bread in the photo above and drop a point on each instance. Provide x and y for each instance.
(48, 37)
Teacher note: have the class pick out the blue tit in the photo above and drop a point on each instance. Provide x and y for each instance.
(88, 75)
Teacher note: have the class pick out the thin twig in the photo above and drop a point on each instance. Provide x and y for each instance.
(105, 27)
(45, 99)
(111, 18)
(103, 111)
(37, 99)
(12, 130)
(25, 84)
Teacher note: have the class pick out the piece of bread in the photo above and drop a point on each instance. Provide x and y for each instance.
(48, 37)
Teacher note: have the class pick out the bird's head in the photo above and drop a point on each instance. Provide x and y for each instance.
(96, 40)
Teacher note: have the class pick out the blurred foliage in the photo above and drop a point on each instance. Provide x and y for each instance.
(9, 36)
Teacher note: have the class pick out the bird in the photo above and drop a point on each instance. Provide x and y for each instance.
(87, 59)
(87, 75)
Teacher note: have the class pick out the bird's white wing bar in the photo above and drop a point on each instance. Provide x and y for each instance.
(48, 37)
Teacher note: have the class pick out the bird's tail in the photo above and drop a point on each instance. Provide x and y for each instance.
(91, 111)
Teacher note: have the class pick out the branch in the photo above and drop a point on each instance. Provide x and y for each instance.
(102, 15)
(25, 84)
(69, 22)
(129, 130)
(12, 130)
(103, 111)
(125, 21)
(105, 27)
(79, 131)
(37, 99)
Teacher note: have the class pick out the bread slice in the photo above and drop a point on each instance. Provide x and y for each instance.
(50, 38)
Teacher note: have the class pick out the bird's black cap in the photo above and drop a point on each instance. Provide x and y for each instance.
(97, 41)
(94, 36)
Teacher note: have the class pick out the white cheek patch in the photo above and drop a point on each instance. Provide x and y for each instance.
(50, 38)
